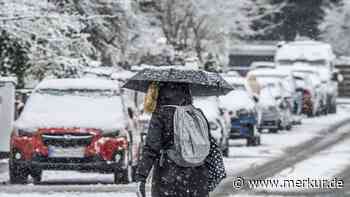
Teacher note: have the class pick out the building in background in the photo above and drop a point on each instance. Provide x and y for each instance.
(243, 54)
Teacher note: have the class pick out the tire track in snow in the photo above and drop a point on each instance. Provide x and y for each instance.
(331, 135)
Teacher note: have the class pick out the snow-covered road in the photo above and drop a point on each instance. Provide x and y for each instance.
(311, 146)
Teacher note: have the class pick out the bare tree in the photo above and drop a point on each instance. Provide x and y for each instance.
(182, 26)
(201, 32)
(174, 16)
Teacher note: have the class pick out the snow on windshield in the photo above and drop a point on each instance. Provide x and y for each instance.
(267, 95)
(237, 99)
(50, 108)
(265, 80)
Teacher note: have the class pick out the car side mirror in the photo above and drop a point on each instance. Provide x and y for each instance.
(337, 77)
(334, 76)
(130, 113)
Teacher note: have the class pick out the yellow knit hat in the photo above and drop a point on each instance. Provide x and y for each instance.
(151, 97)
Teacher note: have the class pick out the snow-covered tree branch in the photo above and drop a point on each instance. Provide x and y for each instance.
(336, 27)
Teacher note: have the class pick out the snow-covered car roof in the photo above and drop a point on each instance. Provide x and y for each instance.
(209, 106)
(54, 106)
(78, 84)
(261, 64)
(306, 68)
(231, 73)
(310, 50)
(122, 75)
(237, 99)
(269, 72)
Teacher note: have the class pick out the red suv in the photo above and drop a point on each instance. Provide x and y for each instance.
(74, 124)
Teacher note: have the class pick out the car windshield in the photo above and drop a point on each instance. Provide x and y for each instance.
(265, 80)
(53, 108)
(310, 62)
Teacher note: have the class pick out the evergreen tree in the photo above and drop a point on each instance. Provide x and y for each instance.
(297, 17)
(14, 60)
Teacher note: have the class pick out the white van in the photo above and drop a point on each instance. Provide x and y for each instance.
(316, 54)
(7, 112)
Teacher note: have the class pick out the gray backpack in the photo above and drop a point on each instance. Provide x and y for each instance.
(191, 137)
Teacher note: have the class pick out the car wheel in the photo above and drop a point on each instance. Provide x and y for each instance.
(225, 152)
(273, 130)
(18, 174)
(333, 109)
(257, 141)
(250, 141)
(36, 175)
(310, 114)
(280, 125)
(121, 176)
(289, 127)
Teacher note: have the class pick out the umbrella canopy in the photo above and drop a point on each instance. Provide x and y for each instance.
(201, 83)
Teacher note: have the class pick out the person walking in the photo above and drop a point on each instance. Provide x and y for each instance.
(186, 160)
(169, 179)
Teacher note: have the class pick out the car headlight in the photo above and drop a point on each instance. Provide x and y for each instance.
(111, 134)
(23, 133)
(213, 126)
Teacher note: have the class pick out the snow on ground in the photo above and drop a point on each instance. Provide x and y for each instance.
(342, 101)
(323, 166)
(64, 194)
(275, 145)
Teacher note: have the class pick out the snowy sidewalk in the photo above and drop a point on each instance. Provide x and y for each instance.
(275, 145)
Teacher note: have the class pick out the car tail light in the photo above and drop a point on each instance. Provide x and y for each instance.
(307, 94)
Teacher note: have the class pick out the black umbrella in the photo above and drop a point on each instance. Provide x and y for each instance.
(202, 83)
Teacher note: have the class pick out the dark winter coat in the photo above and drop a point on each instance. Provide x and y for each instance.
(169, 179)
